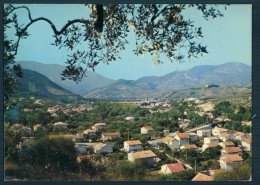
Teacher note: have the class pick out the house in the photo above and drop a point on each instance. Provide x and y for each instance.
(202, 177)
(228, 161)
(78, 136)
(211, 140)
(183, 138)
(247, 144)
(240, 136)
(171, 142)
(172, 168)
(81, 158)
(193, 146)
(217, 131)
(227, 144)
(225, 137)
(146, 155)
(101, 147)
(193, 136)
(130, 146)
(204, 133)
(99, 126)
(131, 119)
(89, 132)
(231, 150)
(147, 130)
(209, 145)
(60, 125)
(109, 136)
(38, 126)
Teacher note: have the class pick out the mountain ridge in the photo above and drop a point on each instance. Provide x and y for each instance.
(146, 87)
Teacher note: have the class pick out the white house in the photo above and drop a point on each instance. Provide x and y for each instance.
(183, 138)
(231, 150)
(147, 130)
(204, 133)
(131, 119)
(227, 144)
(110, 135)
(89, 132)
(172, 168)
(227, 162)
(225, 137)
(171, 142)
(217, 131)
(130, 146)
(146, 155)
(98, 126)
(101, 147)
(193, 136)
(247, 144)
(211, 140)
(209, 145)
(240, 136)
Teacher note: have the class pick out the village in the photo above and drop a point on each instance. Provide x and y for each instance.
(168, 150)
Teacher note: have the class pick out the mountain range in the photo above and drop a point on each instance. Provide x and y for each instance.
(155, 87)
(99, 87)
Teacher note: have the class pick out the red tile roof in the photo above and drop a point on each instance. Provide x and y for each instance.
(202, 177)
(143, 154)
(111, 134)
(175, 167)
(231, 158)
(233, 150)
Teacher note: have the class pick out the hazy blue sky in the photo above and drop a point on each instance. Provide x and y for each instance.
(227, 39)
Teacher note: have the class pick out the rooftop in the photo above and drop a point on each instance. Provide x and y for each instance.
(202, 177)
(233, 150)
(99, 124)
(228, 143)
(239, 134)
(231, 158)
(148, 128)
(193, 146)
(212, 144)
(183, 135)
(211, 138)
(143, 154)
(175, 167)
(167, 139)
(111, 134)
(206, 130)
(248, 141)
(134, 142)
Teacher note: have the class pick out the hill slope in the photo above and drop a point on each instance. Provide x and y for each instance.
(155, 87)
(53, 71)
(37, 85)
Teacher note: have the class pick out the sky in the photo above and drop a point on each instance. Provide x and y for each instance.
(228, 39)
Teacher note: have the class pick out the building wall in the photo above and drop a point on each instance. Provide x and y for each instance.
(130, 148)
